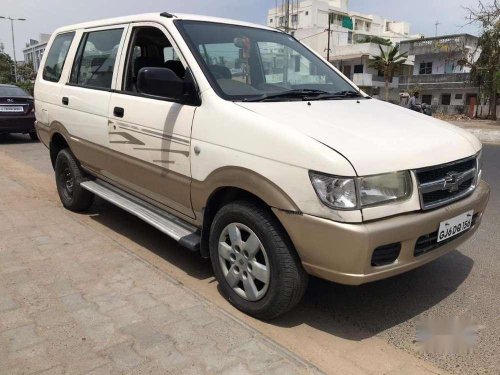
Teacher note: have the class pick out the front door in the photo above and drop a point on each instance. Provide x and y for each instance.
(151, 135)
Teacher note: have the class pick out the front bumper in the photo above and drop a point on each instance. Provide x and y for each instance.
(17, 123)
(342, 252)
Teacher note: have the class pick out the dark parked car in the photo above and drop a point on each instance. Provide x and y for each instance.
(17, 111)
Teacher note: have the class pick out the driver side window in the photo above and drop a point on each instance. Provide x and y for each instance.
(150, 48)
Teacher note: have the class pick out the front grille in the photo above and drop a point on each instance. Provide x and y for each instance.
(443, 184)
(386, 254)
(429, 242)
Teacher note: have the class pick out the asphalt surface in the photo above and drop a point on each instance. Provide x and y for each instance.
(466, 281)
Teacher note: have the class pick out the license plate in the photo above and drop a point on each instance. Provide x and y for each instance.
(10, 108)
(454, 226)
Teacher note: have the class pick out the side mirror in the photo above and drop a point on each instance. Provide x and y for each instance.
(160, 82)
(163, 82)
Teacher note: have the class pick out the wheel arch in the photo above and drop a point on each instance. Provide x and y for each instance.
(57, 143)
(268, 195)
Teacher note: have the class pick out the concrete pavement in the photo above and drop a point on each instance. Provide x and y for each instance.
(487, 131)
(74, 301)
(338, 329)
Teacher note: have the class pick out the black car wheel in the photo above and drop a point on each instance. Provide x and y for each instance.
(68, 179)
(254, 261)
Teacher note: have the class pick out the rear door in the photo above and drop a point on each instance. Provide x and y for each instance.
(85, 97)
(149, 134)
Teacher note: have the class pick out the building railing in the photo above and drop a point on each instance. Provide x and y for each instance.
(450, 44)
(434, 78)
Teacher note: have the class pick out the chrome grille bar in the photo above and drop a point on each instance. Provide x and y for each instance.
(446, 183)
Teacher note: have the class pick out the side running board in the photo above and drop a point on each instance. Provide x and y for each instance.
(186, 234)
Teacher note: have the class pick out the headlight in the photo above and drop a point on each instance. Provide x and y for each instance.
(384, 188)
(354, 193)
(335, 192)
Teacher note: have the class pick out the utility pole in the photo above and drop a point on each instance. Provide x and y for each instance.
(437, 24)
(13, 40)
(329, 37)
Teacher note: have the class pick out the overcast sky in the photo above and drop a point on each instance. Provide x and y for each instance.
(43, 16)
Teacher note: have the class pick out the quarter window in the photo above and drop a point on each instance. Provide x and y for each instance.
(57, 56)
(96, 59)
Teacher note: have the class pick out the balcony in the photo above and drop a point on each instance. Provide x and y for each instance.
(447, 45)
(372, 80)
(436, 80)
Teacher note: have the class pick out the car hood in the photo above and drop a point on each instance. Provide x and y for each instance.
(376, 137)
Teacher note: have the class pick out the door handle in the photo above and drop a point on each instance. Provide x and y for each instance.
(65, 100)
(118, 112)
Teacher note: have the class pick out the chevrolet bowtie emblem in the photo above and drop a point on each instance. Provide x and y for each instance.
(452, 181)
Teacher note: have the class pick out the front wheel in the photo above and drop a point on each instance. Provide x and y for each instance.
(69, 176)
(255, 262)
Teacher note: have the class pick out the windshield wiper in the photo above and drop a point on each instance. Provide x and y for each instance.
(292, 94)
(336, 95)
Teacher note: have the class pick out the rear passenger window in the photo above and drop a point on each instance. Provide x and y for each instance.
(96, 58)
(57, 56)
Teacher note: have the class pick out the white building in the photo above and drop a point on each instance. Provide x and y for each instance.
(351, 35)
(34, 50)
(437, 73)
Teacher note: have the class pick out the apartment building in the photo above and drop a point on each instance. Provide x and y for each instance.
(343, 36)
(34, 50)
(442, 81)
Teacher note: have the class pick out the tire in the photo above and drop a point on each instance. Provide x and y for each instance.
(34, 136)
(236, 270)
(68, 179)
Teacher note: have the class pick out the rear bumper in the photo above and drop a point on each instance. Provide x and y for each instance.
(17, 124)
(343, 252)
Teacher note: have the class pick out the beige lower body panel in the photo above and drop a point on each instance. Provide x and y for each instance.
(342, 252)
(160, 186)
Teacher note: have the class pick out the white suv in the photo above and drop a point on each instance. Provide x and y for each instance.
(246, 146)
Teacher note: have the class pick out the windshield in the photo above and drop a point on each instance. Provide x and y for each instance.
(12, 91)
(246, 63)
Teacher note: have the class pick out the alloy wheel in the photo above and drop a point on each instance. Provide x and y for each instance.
(244, 261)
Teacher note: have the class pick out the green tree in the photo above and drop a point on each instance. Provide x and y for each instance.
(485, 70)
(6, 68)
(389, 62)
(26, 76)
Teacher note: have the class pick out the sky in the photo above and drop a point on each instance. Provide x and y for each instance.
(44, 16)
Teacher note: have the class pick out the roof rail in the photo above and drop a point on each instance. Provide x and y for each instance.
(168, 15)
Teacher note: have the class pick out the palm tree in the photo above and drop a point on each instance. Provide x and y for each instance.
(389, 62)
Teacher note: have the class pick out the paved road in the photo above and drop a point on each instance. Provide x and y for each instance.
(338, 322)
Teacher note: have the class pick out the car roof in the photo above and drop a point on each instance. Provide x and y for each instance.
(7, 85)
(159, 18)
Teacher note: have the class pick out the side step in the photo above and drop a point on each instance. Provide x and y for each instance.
(186, 234)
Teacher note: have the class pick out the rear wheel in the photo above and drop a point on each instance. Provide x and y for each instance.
(254, 261)
(34, 136)
(69, 176)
